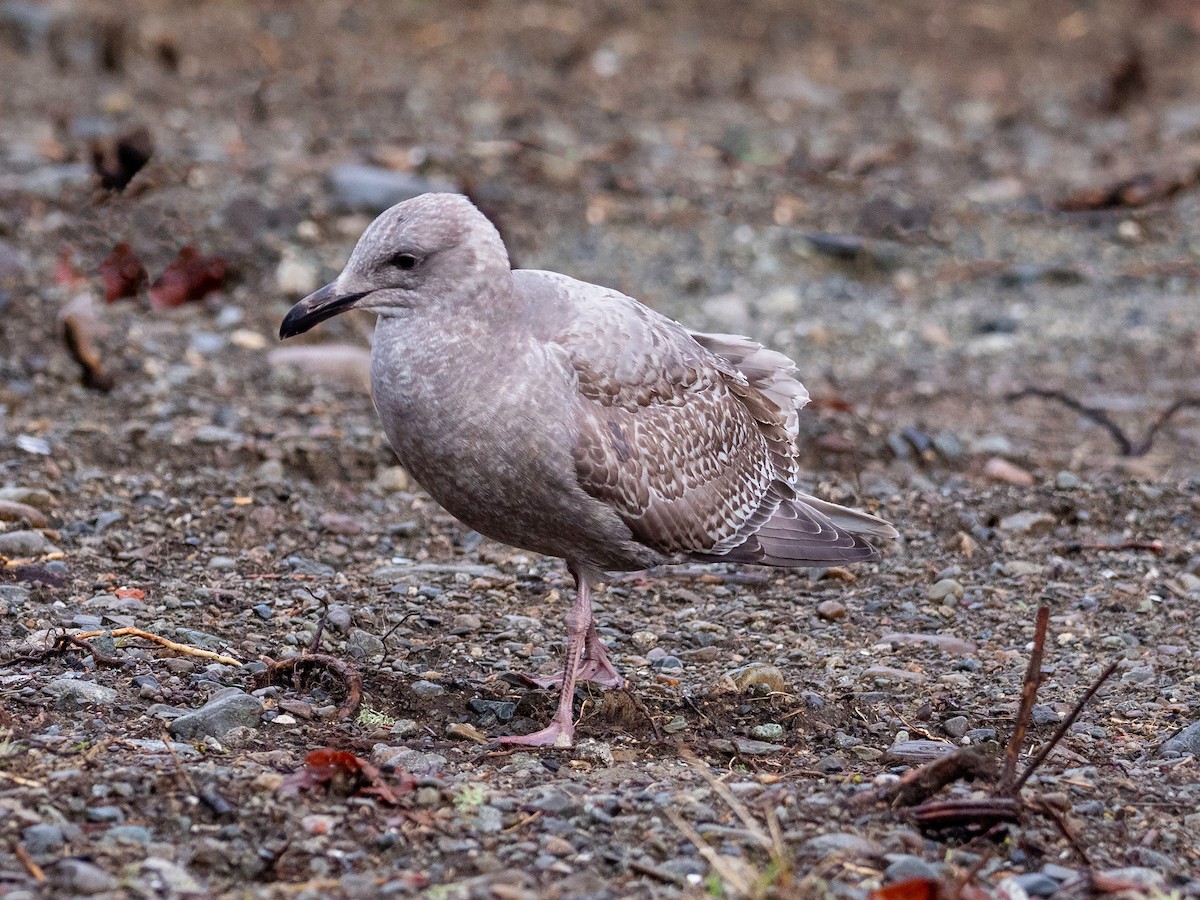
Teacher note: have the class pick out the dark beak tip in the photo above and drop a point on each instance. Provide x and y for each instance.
(314, 309)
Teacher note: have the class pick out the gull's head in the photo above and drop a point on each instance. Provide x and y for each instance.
(431, 249)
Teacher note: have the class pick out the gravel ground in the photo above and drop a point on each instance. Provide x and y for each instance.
(930, 206)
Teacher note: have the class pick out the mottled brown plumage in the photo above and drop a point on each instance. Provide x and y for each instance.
(569, 419)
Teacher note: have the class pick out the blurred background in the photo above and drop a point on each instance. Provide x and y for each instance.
(929, 204)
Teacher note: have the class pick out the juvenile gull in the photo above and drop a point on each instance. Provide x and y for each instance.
(569, 419)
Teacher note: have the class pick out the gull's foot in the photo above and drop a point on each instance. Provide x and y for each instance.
(554, 735)
(599, 672)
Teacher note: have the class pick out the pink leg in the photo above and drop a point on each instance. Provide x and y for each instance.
(595, 666)
(561, 730)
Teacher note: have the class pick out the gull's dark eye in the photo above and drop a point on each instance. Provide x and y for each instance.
(404, 261)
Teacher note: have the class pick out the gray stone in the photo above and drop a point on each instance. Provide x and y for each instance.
(1066, 481)
(304, 566)
(831, 764)
(1138, 878)
(222, 563)
(768, 731)
(408, 759)
(165, 711)
(366, 643)
(42, 838)
(13, 594)
(497, 710)
(74, 876)
(554, 802)
(594, 751)
(750, 747)
(168, 879)
(25, 543)
(1028, 522)
(903, 868)
(105, 814)
(374, 189)
(127, 834)
(948, 445)
(956, 727)
(1035, 884)
(338, 618)
(982, 734)
(488, 820)
(405, 727)
(1186, 741)
(73, 693)
(34, 497)
(426, 689)
(28, 23)
(1045, 715)
(217, 717)
(844, 844)
(667, 662)
(947, 587)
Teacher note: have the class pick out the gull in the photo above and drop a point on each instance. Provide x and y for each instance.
(568, 419)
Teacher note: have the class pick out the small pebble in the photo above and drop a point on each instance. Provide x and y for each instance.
(1066, 481)
(943, 589)
(466, 731)
(904, 868)
(768, 731)
(956, 727)
(758, 674)
(832, 610)
(426, 689)
(999, 469)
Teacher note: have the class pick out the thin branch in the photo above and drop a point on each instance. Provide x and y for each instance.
(1124, 443)
(1041, 755)
(1028, 695)
(185, 649)
(276, 673)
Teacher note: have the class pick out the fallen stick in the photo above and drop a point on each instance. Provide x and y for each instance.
(34, 870)
(62, 644)
(1058, 735)
(1079, 546)
(185, 649)
(1028, 695)
(1124, 443)
(918, 785)
(277, 670)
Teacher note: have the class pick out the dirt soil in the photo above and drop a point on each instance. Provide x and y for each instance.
(929, 205)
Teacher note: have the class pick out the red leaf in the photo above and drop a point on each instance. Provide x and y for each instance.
(912, 889)
(126, 593)
(348, 773)
(189, 277)
(122, 273)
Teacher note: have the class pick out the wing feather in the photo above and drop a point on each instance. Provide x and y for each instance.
(691, 438)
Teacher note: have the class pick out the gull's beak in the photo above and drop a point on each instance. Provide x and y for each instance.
(317, 307)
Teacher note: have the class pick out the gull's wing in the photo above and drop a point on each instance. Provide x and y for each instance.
(690, 439)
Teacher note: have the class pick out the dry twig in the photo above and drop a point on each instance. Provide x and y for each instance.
(1067, 722)
(1124, 443)
(66, 642)
(1028, 695)
(34, 870)
(185, 649)
(277, 671)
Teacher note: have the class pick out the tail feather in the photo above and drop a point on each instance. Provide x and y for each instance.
(852, 520)
(798, 535)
